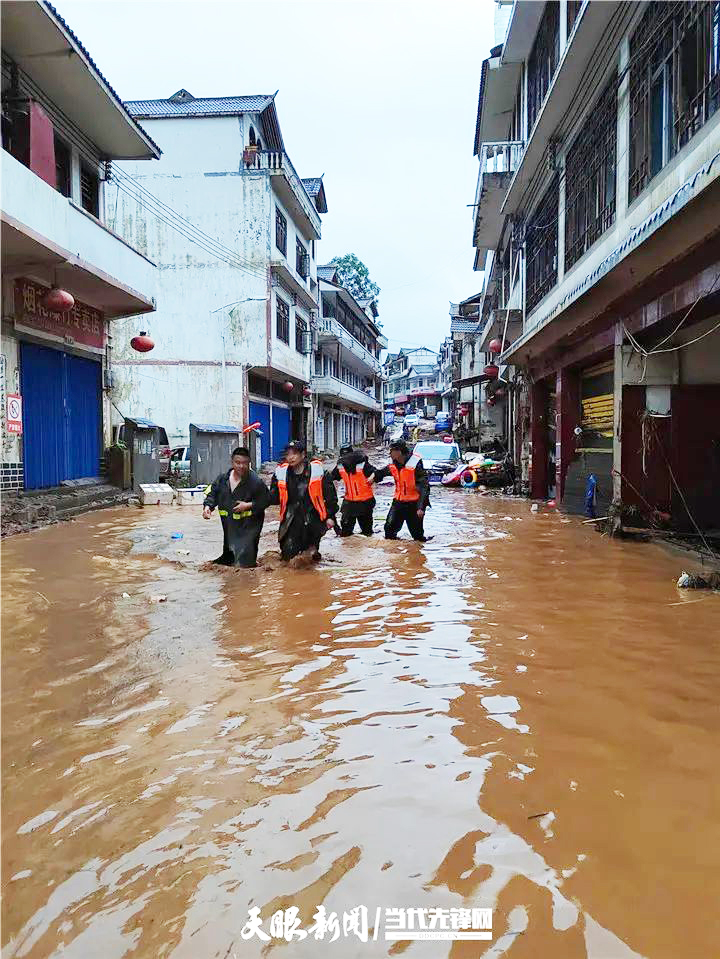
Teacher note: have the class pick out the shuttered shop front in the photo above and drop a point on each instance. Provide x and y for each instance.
(594, 451)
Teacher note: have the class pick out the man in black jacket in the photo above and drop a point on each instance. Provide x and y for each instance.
(308, 503)
(241, 499)
(358, 503)
(412, 492)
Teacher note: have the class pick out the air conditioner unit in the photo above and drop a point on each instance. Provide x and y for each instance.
(307, 341)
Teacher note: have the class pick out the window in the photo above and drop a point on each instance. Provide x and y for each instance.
(62, 167)
(280, 232)
(299, 330)
(674, 83)
(89, 190)
(302, 260)
(318, 363)
(282, 313)
(590, 177)
(542, 246)
(543, 60)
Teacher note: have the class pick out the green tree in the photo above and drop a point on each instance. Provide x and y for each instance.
(355, 277)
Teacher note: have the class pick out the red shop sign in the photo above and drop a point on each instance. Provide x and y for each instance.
(82, 324)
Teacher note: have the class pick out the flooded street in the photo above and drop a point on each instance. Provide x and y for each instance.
(519, 714)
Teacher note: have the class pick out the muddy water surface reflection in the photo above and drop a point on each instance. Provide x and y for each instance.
(518, 714)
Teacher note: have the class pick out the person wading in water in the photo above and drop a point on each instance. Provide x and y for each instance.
(308, 503)
(412, 492)
(241, 499)
(358, 503)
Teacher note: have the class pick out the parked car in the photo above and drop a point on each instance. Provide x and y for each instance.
(179, 461)
(443, 422)
(438, 458)
(411, 420)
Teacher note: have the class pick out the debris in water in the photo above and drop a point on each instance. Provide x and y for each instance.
(158, 599)
(693, 581)
(176, 535)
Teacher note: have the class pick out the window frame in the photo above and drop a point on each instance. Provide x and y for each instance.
(281, 235)
(541, 247)
(282, 320)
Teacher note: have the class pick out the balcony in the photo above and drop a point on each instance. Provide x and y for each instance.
(330, 386)
(498, 163)
(330, 329)
(288, 186)
(43, 231)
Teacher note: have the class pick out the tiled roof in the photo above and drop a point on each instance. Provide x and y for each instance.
(326, 273)
(460, 325)
(200, 107)
(312, 184)
(123, 105)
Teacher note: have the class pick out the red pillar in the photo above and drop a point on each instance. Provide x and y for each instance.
(42, 144)
(568, 417)
(539, 441)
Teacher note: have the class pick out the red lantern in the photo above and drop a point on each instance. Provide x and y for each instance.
(142, 343)
(490, 401)
(288, 386)
(499, 393)
(306, 391)
(492, 371)
(495, 346)
(57, 300)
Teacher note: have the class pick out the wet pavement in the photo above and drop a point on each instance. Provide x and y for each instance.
(519, 714)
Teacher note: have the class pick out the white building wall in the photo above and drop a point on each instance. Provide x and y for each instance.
(213, 317)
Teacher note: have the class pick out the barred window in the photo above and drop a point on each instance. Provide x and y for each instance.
(542, 248)
(282, 314)
(590, 177)
(280, 232)
(89, 190)
(543, 60)
(674, 82)
(299, 330)
(302, 260)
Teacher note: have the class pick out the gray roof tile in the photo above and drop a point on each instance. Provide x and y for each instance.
(200, 107)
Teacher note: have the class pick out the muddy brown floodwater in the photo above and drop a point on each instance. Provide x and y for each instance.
(519, 714)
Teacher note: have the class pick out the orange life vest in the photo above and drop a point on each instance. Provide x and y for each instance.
(357, 487)
(405, 489)
(314, 488)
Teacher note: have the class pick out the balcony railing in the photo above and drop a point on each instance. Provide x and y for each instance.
(331, 386)
(503, 157)
(329, 328)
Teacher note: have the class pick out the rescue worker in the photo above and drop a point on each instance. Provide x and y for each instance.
(241, 499)
(308, 503)
(412, 492)
(358, 503)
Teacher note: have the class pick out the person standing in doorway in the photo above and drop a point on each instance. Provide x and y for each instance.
(241, 499)
(358, 503)
(412, 492)
(308, 503)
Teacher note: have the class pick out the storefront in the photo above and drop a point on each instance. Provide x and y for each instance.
(55, 362)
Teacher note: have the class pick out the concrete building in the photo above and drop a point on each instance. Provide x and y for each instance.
(597, 222)
(411, 381)
(62, 126)
(233, 230)
(346, 376)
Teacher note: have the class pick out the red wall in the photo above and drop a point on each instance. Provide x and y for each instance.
(42, 144)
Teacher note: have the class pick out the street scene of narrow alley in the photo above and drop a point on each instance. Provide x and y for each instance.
(360, 479)
(415, 725)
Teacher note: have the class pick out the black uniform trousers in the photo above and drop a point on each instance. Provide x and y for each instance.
(353, 511)
(404, 513)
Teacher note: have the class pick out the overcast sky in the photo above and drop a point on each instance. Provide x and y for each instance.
(380, 96)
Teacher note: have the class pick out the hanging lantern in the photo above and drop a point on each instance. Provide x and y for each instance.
(306, 391)
(142, 343)
(499, 393)
(492, 371)
(490, 401)
(495, 346)
(57, 300)
(288, 386)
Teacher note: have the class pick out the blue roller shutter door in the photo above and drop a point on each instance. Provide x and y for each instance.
(260, 413)
(281, 430)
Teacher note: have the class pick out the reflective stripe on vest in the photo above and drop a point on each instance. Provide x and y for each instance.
(281, 476)
(405, 489)
(315, 488)
(357, 488)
